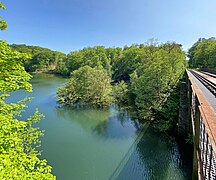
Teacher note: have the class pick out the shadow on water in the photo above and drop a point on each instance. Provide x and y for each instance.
(130, 151)
(156, 157)
(151, 155)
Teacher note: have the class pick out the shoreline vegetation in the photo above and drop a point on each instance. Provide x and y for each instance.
(19, 138)
(145, 77)
(142, 77)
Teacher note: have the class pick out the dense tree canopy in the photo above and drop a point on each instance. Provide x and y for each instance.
(93, 57)
(143, 75)
(203, 53)
(12, 73)
(43, 59)
(156, 76)
(130, 60)
(18, 138)
(87, 85)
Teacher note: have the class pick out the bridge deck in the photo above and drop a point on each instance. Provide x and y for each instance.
(204, 128)
(208, 95)
(208, 76)
(208, 105)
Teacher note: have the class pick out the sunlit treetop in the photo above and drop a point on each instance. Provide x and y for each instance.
(12, 73)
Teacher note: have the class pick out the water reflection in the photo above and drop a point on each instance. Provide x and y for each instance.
(105, 123)
(95, 143)
(155, 157)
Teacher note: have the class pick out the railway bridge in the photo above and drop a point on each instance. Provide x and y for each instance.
(199, 93)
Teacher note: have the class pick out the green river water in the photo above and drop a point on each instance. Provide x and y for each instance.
(96, 144)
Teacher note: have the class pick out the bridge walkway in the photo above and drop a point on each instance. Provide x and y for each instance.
(203, 115)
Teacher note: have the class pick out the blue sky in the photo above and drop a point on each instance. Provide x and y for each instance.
(67, 25)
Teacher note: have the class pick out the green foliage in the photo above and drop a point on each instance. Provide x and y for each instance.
(203, 53)
(18, 158)
(12, 73)
(87, 86)
(3, 24)
(42, 60)
(120, 92)
(167, 118)
(62, 69)
(144, 76)
(153, 81)
(115, 55)
(93, 57)
(129, 61)
(19, 139)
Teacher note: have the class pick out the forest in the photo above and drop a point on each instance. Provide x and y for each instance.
(141, 77)
(203, 54)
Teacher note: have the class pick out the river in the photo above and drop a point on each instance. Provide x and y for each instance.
(100, 144)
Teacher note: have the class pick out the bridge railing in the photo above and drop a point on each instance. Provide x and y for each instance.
(204, 134)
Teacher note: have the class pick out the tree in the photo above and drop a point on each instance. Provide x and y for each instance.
(19, 139)
(18, 157)
(12, 74)
(120, 92)
(93, 57)
(129, 61)
(43, 59)
(153, 81)
(144, 77)
(203, 53)
(87, 86)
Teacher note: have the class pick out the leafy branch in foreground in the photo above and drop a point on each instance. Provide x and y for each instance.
(19, 139)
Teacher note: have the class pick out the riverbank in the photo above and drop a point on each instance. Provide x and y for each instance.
(90, 143)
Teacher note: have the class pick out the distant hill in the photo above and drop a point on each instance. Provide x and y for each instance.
(43, 59)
